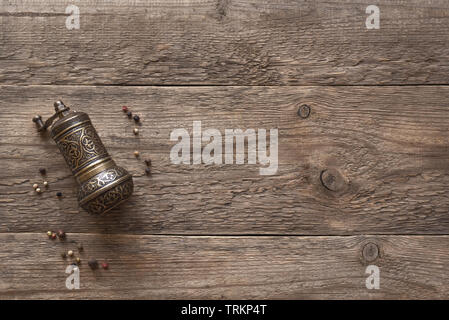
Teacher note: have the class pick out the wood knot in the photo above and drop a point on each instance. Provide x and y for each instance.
(332, 180)
(304, 111)
(370, 252)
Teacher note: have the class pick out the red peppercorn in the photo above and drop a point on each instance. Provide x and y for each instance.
(53, 235)
(125, 109)
(105, 265)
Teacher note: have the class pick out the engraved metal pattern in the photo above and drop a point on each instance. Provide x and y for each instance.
(100, 180)
(81, 146)
(110, 198)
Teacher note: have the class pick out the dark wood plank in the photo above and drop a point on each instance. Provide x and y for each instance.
(386, 149)
(158, 267)
(224, 42)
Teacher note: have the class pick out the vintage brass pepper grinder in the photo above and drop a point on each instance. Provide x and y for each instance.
(103, 184)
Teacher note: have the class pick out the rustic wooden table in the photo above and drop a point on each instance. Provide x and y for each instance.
(378, 128)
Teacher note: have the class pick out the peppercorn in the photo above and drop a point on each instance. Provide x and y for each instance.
(70, 253)
(105, 265)
(125, 109)
(61, 235)
(53, 236)
(35, 186)
(147, 171)
(148, 162)
(129, 114)
(59, 194)
(136, 154)
(63, 255)
(43, 171)
(93, 264)
(136, 131)
(49, 233)
(45, 184)
(78, 260)
(80, 247)
(38, 190)
(136, 118)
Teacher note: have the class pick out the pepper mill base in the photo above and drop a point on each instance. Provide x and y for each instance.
(106, 190)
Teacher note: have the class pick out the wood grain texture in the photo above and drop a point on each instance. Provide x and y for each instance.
(224, 42)
(186, 267)
(388, 146)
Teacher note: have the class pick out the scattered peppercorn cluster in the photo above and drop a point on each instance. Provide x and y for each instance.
(76, 258)
(38, 189)
(136, 118)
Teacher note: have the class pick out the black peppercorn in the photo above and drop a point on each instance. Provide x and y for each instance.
(147, 171)
(148, 162)
(136, 118)
(129, 114)
(93, 264)
(63, 255)
(42, 171)
(61, 235)
(59, 194)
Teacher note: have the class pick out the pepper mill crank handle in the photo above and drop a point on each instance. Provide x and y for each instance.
(41, 126)
(60, 110)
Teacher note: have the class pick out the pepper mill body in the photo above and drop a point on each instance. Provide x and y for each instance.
(103, 184)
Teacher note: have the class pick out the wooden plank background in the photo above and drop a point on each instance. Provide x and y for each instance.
(379, 122)
(246, 42)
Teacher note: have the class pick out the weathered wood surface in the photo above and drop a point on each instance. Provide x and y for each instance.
(224, 43)
(151, 267)
(387, 145)
(196, 231)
